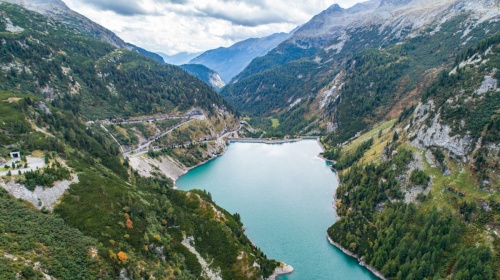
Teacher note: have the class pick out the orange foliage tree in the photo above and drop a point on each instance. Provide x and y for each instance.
(129, 224)
(122, 256)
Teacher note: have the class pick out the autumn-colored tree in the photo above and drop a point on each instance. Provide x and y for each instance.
(157, 237)
(129, 224)
(122, 256)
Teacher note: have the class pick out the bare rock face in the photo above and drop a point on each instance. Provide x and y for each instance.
(438, 135)
(399, 19)
(41, 197)
(57, 10)
(489, 84)
(395, 2)
(216, 81)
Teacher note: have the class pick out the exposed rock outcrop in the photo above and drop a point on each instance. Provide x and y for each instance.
(41, 197)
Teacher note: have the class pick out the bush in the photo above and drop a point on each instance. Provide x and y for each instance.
(418, 177)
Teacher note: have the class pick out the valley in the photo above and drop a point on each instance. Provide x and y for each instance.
(116, 165)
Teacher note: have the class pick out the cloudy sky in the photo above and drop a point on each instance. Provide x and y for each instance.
(173, 26)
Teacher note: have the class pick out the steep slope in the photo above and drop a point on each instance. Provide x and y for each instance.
(58, 10)
(228, 62)
(179, 58)
(103, 82)
(421, 192)
(205, 74)
(87, 214)
(315, 76)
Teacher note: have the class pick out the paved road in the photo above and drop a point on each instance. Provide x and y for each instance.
(145, 145)
(138, 152)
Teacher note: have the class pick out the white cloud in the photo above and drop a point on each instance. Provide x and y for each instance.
(173, 26)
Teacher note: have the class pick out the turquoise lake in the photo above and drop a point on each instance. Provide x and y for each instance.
(284, 194)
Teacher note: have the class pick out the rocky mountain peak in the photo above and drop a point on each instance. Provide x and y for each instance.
(335, 8)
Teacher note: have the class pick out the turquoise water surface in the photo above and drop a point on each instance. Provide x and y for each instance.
(284, 194)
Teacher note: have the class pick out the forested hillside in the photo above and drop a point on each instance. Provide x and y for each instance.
(100, 81)
(88, 214)
(347, 69)
(419, 196)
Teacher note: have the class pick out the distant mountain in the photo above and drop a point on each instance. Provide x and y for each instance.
(205, 74)
(178, 59)
(229, 62)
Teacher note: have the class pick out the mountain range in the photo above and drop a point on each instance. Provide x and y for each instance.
(179, 58)
(402, 94)
(228, 62)
(302, 80)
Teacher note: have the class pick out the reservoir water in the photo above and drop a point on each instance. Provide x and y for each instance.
(284, 194)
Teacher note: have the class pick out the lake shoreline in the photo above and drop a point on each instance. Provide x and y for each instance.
(278, 271)
(187, 169)
(281, 270)
(361, 260)
(249, 140)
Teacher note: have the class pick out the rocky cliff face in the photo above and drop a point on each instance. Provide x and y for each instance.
(454, 117)
(205, 74)
(437, 134)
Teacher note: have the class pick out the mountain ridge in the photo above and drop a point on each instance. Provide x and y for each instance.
(59, 11)
(178, 58)
(57, 8)
(230, 61)
(308, 69)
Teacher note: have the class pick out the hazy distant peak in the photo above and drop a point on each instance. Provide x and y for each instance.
(364, 6)
(230, 61)
(178, 58)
